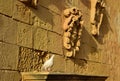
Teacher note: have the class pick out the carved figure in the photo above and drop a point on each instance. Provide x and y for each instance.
(72, 30)
(30, 2)
(97, 7)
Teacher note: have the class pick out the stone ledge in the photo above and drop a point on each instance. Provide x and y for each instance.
(46, 76)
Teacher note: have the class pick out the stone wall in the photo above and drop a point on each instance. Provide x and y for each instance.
(29, 36)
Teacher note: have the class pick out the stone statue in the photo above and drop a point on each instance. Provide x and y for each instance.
(97, 7)
(72, 30)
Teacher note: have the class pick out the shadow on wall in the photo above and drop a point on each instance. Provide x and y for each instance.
(88, 46)
(104, 29)
(43, 14)
(46, 9)
(89, 42)
(105, 26)
(86, 3)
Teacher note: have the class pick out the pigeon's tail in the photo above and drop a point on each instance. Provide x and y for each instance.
(42, 68)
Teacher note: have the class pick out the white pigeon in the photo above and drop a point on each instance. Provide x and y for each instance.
(48, 64)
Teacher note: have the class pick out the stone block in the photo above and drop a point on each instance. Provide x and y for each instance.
(70, 66)
(43, 18)
(6, 7)
(25, 59)
(78, 65)
(21, 12)
(9, 75)
(55, 43)
(24, 35)
(91, 68)
(71, 3)
(8, 56)
(54, 5)
(84, 6)
(8, 29)
(89, 53)
(57, 23)
(89, 48)
(84, 52)
(59, 64)
(31, 60)
(40, 39)
(105, 57)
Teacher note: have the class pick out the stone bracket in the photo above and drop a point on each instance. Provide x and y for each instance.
(39, 76)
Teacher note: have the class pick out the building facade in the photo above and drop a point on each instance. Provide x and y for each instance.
(31, 33)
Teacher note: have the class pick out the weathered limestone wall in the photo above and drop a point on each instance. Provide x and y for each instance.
(27, 34)
(114, 44)
(28, 37)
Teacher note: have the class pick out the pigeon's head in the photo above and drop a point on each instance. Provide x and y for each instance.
(52, 56)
